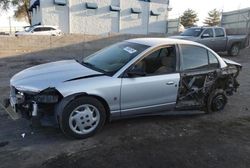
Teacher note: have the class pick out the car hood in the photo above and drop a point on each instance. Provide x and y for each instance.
(191, 38)
(22, 32)
(38, 78)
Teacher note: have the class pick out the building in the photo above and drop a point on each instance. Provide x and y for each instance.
(174, 26)
(237, 22)
(100, 17)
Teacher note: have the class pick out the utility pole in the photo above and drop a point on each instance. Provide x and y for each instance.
(247, 19)
(10, 24)
(248, 28)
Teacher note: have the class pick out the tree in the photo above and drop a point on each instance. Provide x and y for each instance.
(213, 18)
(22, 8)
(189, 18)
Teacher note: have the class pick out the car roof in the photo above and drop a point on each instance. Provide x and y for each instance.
(204, 27)
(44, 26)
(161, 41)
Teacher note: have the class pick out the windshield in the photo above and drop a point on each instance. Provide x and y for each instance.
(195, 32)
(111, 59)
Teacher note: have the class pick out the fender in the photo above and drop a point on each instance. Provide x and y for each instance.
(63, 103)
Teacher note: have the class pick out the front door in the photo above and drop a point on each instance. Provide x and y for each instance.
(207, 38)
(155, 89)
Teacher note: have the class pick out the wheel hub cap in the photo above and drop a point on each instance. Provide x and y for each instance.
(235, 50)
(84, 119)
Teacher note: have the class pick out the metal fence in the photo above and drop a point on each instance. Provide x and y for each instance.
(173, 26)
(10, 30)
(236, 22)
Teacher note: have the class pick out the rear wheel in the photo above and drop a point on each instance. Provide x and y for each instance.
(217, 100)
(83, 117)
(234, 50)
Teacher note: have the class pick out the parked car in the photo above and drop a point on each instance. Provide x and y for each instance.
(40, 30)
(4, 34)
(215, 38)
(137, 77)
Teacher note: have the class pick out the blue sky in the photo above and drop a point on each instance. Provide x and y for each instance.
(179, 6)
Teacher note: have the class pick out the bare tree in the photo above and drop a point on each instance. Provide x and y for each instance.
(22, 8)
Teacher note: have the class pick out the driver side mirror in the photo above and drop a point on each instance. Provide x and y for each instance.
(205, 36)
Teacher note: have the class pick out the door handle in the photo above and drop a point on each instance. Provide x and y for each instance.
(170, 83)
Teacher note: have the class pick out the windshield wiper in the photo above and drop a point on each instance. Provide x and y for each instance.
(91, 66)
(88, 64)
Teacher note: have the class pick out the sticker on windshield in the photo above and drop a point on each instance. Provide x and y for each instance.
(129, 50)
(197, 30)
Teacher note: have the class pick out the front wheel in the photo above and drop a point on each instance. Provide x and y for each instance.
(82, 117)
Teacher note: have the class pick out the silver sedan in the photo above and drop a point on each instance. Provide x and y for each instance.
(137, 77)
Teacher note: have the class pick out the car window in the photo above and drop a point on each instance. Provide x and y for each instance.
(51, 28)
(219, 32)
(113, 58)
(193, 57)
(162, 61)
(46, 29)
(37, 29)
(213, 61)
(195, 32)
(209, 32)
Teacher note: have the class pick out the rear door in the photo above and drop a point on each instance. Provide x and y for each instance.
(46, 31)
(220, 42)
(155, 91)
(37, 31)
(198, 71)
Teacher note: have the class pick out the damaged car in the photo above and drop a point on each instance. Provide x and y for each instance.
(136, 77)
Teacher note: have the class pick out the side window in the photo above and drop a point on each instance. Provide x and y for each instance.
(219, 32)
(51, 29)
(213, 61)
(162, 61)
(193, 57)
(46, 29)
(42, 29)
(208, 33)
(37, 30)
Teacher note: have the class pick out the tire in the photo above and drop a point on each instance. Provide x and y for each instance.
(82, 117)
(234, 50)
(217, 100)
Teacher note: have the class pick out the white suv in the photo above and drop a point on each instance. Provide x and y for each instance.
(40, 30)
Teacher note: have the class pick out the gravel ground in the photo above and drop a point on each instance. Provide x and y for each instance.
(177, 141)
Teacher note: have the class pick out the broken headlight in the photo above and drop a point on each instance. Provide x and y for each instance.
(47, 96)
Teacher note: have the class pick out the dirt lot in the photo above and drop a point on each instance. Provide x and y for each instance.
(183, 141)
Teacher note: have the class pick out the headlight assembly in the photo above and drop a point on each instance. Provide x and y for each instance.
(47, 96)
